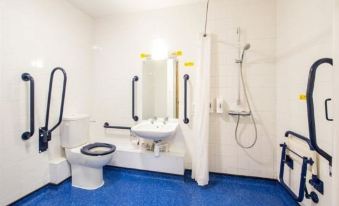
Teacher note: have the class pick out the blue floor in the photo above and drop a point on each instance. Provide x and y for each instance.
(132, 187)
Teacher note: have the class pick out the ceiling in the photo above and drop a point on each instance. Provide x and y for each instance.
(99, 8)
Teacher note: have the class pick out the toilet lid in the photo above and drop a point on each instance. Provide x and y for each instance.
(97, 149)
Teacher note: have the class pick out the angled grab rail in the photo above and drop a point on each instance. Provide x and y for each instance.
(134, 117)
(310, 108)
(186, 78)
(45, 134)
(28, 134)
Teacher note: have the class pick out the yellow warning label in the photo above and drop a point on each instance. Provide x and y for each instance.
(189, 64)
(144, 55)
(302, 97)
(177, 53)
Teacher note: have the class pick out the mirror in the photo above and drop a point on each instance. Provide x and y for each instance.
(159, 88)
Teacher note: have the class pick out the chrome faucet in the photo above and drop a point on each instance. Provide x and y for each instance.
(153, 120)
(165, 120)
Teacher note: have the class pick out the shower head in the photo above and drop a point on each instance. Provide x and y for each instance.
(246, 47)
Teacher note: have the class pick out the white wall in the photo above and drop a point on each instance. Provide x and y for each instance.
(336, 86)
(120, 39)
(56, 34)
(32, 32)
(304, 35)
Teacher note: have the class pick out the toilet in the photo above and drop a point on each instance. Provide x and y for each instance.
(86, 159)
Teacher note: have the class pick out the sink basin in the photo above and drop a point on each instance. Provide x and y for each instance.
(156, 131)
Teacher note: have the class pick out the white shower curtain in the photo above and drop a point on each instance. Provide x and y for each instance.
(201, 114)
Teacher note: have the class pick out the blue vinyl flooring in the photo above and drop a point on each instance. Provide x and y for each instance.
(125, 187)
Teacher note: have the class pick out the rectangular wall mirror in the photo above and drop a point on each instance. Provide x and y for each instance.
(159, 88)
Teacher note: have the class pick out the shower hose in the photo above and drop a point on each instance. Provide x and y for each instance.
(251, 116)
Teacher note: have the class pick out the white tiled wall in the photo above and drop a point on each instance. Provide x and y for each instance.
(335, 183)
(304, 34)
(120, 40)
(35, 37)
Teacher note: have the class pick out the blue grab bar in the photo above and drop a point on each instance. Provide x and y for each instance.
(310, 108)
(302, 193)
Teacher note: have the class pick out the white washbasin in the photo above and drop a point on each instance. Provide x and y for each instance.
(158, 130)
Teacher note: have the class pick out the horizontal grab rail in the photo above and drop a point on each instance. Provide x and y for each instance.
(27, 77)
(107, 126)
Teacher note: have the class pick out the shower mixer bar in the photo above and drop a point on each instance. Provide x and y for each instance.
(45, 134)
(27, 77)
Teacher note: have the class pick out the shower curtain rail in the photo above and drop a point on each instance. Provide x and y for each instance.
(28, 134)
(45, 134)
(186, 78)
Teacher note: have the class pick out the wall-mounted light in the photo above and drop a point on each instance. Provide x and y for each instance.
(159, 49)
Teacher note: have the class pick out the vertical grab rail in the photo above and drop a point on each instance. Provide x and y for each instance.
(310, 109)
(186, 78)
(28, 134)
(45, 134)
(134, 117)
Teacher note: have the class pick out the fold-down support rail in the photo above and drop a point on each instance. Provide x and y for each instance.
(310, 109)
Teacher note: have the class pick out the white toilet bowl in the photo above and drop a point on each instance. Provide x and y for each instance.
(86, 166)
(87, 160)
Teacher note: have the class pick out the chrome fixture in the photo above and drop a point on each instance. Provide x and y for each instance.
(154, 119)
(244, 113)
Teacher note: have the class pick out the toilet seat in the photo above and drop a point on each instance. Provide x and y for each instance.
(98, 149)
